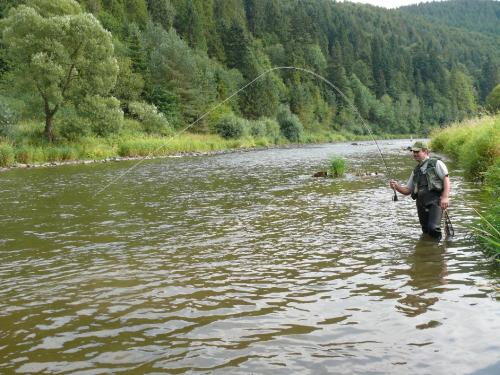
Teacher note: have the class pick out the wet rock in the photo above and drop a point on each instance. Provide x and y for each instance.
(320, 174)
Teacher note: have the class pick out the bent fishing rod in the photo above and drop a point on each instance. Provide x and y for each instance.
(348, 101)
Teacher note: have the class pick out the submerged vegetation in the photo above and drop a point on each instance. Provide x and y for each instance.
(475, 145)
(337, 166)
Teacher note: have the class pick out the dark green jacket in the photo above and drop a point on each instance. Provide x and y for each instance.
(427, 181)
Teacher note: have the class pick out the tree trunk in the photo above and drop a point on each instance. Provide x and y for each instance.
(49, 132)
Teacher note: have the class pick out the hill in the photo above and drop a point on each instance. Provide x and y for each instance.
(473, 15)
(403, 71)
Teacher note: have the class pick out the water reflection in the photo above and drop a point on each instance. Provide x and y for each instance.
(427, 271)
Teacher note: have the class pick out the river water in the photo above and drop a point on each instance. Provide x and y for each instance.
(240, 263)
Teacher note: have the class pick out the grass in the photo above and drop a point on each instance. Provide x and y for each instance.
(337, 167)
(26, 145)
(475, 145)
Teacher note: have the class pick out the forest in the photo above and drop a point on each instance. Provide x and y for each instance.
(101, 68)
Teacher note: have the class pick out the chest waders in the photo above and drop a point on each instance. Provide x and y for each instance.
(427, 189)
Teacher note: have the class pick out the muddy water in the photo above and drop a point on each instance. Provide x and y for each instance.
(238, 264)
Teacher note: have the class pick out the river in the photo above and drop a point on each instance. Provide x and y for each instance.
(240, 263)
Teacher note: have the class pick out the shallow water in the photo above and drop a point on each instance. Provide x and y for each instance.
(240, 263)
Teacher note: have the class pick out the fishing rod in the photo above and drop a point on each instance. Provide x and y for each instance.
(448, 227)
(394, 198)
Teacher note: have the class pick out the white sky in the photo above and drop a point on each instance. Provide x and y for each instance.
(389, 3)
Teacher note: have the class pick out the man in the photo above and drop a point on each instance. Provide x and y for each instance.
(429, 184)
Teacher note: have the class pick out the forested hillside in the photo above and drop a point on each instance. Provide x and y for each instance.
(474, 15)
(176, 59)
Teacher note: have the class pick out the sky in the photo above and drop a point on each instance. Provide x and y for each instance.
(389, 3)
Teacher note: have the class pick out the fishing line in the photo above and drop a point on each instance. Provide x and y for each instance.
(395, 198)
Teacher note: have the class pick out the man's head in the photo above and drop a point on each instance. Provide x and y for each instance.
(420, 151)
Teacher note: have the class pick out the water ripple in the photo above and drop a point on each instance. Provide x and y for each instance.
(239, 264)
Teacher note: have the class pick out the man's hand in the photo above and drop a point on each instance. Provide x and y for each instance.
(444, 203)
(393, 184)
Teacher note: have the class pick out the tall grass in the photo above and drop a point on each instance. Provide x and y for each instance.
(475, 145)
(337, 166)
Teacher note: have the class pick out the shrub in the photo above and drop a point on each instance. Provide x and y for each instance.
(272, 130)
(257, 128)
(104, 115)
(71, 126)
(290, 125)
(6, 155)
(8, 117)
(152, 121)
(231, 127)
(337, 167)
(25, 154)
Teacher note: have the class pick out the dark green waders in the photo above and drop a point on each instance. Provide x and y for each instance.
(429, 214)
(428, 208)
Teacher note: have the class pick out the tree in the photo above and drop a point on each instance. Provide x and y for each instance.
(493, 100)
(162, 12)
(59, 53)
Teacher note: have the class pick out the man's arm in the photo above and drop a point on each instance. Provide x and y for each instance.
(400, 189)
(444, 202)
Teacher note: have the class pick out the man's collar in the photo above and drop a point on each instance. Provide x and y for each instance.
(423, 161)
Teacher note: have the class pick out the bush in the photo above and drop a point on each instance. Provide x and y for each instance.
(337, 167)
(71, 126)
(25, 154)
(6, 155)
(257, 128)
(8, 117)
(231, 127)
(152, 121)
(273, 131)
(290, 125)
(104, 115)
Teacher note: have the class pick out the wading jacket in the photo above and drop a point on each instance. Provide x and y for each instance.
(427, 186)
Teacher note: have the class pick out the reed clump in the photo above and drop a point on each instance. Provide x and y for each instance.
(337, 167)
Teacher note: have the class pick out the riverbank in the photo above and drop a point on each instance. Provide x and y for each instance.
(34, 153)
(475, 145)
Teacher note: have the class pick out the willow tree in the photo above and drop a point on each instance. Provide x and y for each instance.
(58, 52)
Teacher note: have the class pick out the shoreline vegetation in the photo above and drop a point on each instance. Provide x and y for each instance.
(475, 145)
(27, 149)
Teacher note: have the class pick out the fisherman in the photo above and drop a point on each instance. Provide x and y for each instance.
(429, 184)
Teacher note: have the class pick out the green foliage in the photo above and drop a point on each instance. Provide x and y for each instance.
(104, 115)
(58, 53)
(487, 231)
(51, 8)
(461, 14)
(6, 155)
(231, 127)
(162, 12)
(71, 126)
(188, 77)
(476, 146)
(290, 125)
(129, 85)
(8, 116)
(403, 74)
(152, 121)
(337, 167)
(479, 150)
(493, 100)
